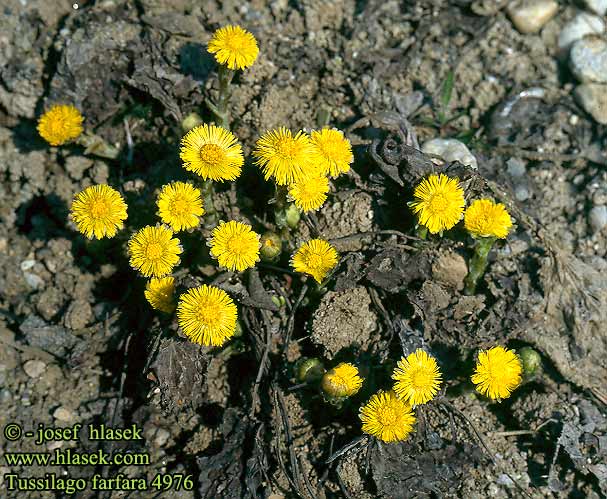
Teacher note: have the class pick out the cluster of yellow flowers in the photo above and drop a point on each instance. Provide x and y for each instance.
(439, 205)
(389, 416)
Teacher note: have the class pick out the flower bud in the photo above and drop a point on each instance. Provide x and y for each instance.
(271, 246)
(309, 370)
(292, 216)
(190, 121)
(340, 382)
(531, 360)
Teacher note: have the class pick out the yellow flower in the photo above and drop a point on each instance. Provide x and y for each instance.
(439, 202)
(235, 245)
(284, 157)
(159, 293)
(207, 315)
(212, 152)
(387, 417)
(234, 47)
(316, 258)
(309, 193)
(153, 251)
(484, 218)
(180, 205)
(498, 372)
(417, 377)
(60, 124)
(341, 381)
(98, 211)
(333, 152)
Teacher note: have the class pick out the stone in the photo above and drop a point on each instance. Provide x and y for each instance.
(598, 6)
(450, 150)
(63, 414)
(529, 16)
(34, 368)
(521, 193)
(597, 218)
(53, 339)
(516, 167)
(581, 25)
(593, 98)
(77, 165)
(588, 59)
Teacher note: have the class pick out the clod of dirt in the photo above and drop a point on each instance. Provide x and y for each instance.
(53, 339)
(344, 319)
(450, 269)
(393, 270)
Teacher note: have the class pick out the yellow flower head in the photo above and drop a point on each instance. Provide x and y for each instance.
(341, 381)
(333, 152)
(484, 218)
(98, 211)
(309, 193)
(387, 417)
(316, 258)
(417, 377)
(234, 47)
(212, 152)
(180, 205)
(153, 251)
(207, 315)
(439, 202)
(159, 293)
(498, 373)
(235, 245)
(284, 157)
(60, 124)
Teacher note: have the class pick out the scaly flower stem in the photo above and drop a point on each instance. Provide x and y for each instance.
(280, 207)
(478, 264)
(210, 213)
(221, 110)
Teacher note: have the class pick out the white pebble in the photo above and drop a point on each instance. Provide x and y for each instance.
(588, 59)
(593, 98)
(450, 150)
(63, 414)
(34, 368)
(598, 6)
(597, 218)
(529, 16)
(581, 25)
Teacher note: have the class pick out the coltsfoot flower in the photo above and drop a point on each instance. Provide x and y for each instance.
(316, 258)
(484, 218)
(417, 377)
(439, 202)
(387, 417)
(498, 372)
(309, 193)
(235, 245)
(207, 315)
(341, 381)
(233, 47)
(180, 206)
(60, 124)
(285, 158)
(154, 251)
(159, 293)
(332, 151)
(98, 211)
(212, 152)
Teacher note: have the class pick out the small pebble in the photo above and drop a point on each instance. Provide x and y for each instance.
(34, 368)
(162, 437)
(581, 25)
(521, 193)
(450, 150)
(33, 281)
(598, 6)
(63, 414)
(597, 218)
(516, 167)
(593, 98)
(529, 16)
(588, 59)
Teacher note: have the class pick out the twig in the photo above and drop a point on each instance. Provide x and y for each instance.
(346, 448)
(290, 321)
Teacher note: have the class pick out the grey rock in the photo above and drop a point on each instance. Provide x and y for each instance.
(598, 6)
(529, 16)
(521, 193)
(588, 59)
(55, 340)
(597, 218)
(77, 165)
(581, 25)
(593, 98)
(516, 167)
(34, 368)
(450, 150)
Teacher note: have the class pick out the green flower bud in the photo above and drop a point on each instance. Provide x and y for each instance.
(309, 370)
(271, 246)
(292, 216)
(531, 360)
(190, 121)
